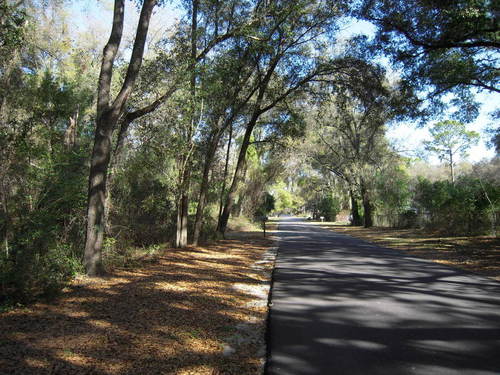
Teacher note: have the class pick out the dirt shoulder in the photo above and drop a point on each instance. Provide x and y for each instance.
(191, 311)
(478, 254)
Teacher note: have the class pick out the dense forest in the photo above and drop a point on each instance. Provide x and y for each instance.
(242, 108)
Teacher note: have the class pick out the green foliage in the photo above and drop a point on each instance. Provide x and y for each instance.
(266, 206)
(120, 257)
(444, 46)
(29, 273)
(392, 190)
(450, 137)
(48, 231)
(286, 201)
(143, 207)
(43, 179)
(329, 207)
(493, 131)
(12, 30)
(466, 206)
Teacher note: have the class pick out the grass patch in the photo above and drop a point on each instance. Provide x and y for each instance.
(479, 254)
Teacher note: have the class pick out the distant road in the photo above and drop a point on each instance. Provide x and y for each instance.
(344, 306)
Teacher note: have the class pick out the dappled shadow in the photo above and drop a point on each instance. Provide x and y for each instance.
(169, 317)
(344, 306)
(478, 254)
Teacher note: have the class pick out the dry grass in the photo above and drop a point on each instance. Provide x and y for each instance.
(479, 254)
(182, 314)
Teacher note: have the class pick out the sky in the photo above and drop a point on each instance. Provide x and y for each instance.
(91, 16)
(409, 136)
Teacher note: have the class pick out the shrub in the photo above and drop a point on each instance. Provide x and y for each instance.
(329, 207)
(465, 206)
(31, 274)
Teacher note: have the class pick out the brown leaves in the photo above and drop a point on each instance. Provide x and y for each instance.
(172, 317)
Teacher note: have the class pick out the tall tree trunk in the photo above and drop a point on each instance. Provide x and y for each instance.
(97, 196)
(181, 238)
(452, 169)
(238, 174)
(367, 206)
(202, 200)
(182, 206)
(5, 235)
(71, 131)
(107, 117)
(356, 218)
(226, 166)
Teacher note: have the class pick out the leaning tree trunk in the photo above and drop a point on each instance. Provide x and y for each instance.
(202, 200)
(226, 167)
(238, 175)
(115, 159)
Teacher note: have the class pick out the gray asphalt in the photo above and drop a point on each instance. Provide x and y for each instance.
(344, 306)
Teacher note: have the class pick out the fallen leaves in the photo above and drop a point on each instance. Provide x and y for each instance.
(176, 316)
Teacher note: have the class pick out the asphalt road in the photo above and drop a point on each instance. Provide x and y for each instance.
(344, 306)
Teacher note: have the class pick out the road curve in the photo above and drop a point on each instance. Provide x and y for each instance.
(341, 305)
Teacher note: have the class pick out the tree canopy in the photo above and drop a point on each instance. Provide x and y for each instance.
(443, 46)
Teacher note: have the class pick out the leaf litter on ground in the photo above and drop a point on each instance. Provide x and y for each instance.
(193, 311)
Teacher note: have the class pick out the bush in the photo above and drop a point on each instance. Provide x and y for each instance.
(408, 219)
(32, 274)
(466, 206)
(329, 207)
(267, 204)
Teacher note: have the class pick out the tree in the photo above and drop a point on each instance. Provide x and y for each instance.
(108, 114)
(350, 129)
(285, 67)
(445, 46)
(46, 91)
(286, 200)
(450, 139)
(224, 93)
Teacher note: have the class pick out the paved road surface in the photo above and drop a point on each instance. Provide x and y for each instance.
(343, 306)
